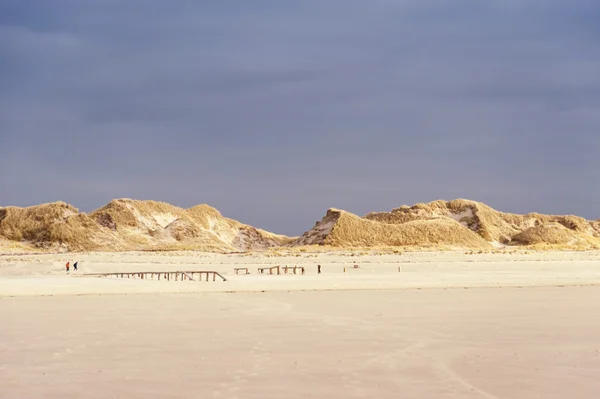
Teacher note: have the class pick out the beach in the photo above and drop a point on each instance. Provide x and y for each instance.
(444, 325)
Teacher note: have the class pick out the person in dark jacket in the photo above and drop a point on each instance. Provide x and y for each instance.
(75, 266)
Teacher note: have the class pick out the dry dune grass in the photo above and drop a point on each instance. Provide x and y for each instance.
(546, 233)
(490, 224)
(554, 235)
(495, 226)
(246, 237)
(126, 213)
(77, 232)
(53, 226)
(30, 223)
(126, 224)
(17, 247)
(348, 230)
(203, 214)
(451, 224)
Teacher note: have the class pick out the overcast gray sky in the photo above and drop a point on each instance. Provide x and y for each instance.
(273, 111)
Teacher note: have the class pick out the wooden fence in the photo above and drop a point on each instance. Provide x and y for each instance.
(203, 275)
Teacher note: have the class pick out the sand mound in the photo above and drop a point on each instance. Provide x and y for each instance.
(554, 234)
(492, 225)
(29, 223)
(57, 226)
(343, 229)
(457, 223)
(126, 224)
(596, 226)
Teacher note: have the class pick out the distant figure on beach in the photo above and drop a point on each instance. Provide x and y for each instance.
(68, 265)
(319, 269)
(75, 266)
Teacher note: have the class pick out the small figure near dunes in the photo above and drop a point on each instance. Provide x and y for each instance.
(75, 266)
(68, 265)
(319, 269)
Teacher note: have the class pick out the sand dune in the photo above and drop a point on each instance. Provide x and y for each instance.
(125, 225)
(343, 229)
(453, 224)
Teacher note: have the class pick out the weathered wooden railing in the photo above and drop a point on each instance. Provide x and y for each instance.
(237, 270)
(277, 269)
(293, 268)
(203, 275)
(270, 269)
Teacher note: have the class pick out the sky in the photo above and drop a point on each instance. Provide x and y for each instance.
(274, 111)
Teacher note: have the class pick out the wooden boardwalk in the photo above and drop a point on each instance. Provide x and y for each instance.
(202, 275)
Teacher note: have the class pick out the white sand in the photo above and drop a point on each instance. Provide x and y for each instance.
(538, 341)
(45, 274)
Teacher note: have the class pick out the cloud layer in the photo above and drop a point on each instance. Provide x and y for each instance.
(274, 111)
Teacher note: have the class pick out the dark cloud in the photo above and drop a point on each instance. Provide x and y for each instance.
(274, 111)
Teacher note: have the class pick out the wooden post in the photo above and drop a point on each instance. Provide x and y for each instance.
(214, 276)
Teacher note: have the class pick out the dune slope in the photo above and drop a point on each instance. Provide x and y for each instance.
(126, 224)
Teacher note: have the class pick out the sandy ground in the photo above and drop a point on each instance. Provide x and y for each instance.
(45, 274)
(342, 337)
(477, 343)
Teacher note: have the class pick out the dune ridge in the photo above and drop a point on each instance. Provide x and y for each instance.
(456, 224)
(127, 224)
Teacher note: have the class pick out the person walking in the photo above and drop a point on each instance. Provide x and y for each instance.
(318, 269)
(75, 266)
(68, 265)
